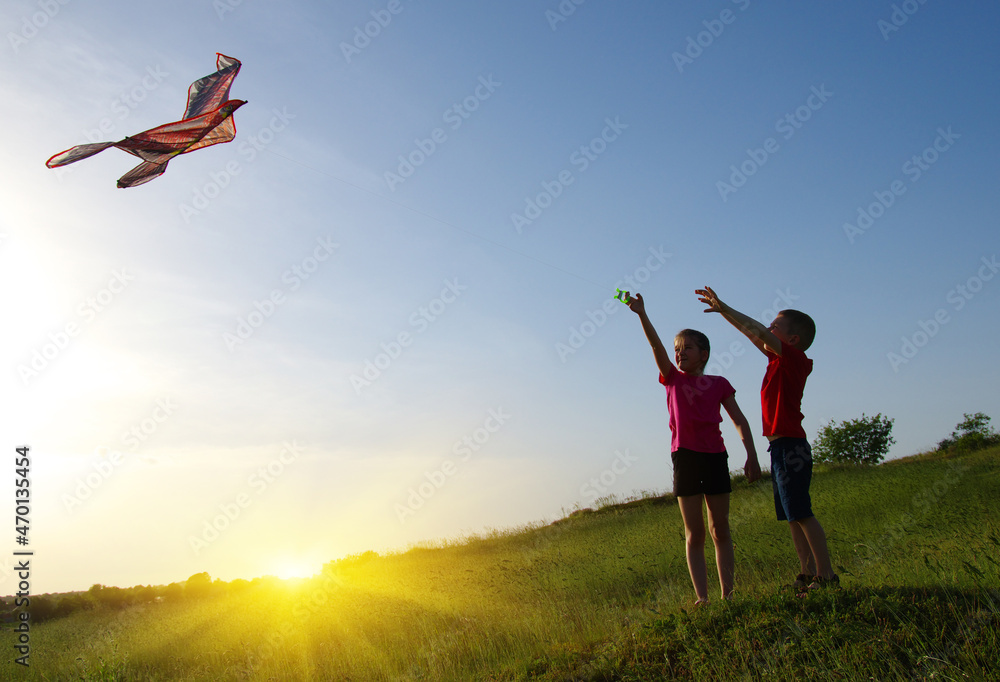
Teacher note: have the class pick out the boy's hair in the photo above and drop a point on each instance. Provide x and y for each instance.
(801, 325)
(699, 339)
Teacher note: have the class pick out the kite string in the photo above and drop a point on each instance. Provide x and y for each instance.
(440, 221)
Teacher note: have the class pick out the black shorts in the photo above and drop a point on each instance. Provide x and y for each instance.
(700, 473)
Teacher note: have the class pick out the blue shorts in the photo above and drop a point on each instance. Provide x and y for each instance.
(791, 472)
(700, 473)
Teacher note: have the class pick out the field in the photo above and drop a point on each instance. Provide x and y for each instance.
(601, 595)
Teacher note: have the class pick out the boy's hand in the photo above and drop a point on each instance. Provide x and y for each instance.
(759, 335)
(636, 305)
(752, 470)
(708, 297)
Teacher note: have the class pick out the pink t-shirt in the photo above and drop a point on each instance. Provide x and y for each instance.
(694, 404)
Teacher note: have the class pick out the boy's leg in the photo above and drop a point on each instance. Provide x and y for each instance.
(807, 563)
(718, 522)
(791, 468)
(694, 534)
(815, 536)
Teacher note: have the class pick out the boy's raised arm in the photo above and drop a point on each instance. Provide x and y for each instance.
(758, 334)
(660, 354)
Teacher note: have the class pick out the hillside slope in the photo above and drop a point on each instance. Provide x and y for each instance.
(603, 595)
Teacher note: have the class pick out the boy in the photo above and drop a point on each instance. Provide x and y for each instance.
(784, 344)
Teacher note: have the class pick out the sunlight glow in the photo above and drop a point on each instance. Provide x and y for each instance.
(288, 569)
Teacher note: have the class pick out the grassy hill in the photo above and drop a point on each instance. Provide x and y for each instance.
(603, 595)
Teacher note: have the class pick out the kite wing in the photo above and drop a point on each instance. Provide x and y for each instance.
(76, 153)
(207, 121)
(141, 174)
(208, 93)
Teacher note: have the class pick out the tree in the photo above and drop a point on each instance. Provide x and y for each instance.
(41, 608)
(198, 586)
(144, 594)
(865, 440)
(972, 433)
(173, 592)
(113, 597)
(71, 603)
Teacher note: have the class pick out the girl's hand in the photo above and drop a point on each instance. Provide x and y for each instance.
(752, 470)
(636, 305)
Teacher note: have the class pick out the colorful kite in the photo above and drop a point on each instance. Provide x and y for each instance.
(208, 120)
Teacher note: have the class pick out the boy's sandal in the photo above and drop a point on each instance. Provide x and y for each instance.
(819, 582)
(802, 581)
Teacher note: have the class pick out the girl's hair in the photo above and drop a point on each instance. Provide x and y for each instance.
(699, 339)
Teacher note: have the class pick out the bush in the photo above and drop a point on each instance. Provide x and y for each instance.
(865, 440)
(972, 433)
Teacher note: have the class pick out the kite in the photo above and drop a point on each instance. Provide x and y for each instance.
(208, 120)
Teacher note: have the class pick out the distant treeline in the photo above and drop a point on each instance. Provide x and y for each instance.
(45, 607)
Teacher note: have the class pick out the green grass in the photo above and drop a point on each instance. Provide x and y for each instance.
(605, 595)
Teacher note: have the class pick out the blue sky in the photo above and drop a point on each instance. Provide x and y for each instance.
(199, 398)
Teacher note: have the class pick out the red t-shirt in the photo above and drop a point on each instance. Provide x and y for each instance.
(693, 403)
(781, 392)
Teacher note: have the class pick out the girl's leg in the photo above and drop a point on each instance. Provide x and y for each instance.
(694, 534)
(718, 523)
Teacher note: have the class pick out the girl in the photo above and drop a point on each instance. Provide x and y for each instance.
(700, 462)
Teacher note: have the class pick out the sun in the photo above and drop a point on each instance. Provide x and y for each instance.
(287, 570)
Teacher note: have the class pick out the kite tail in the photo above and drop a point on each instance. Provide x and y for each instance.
(141, 174)
(76, 153)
